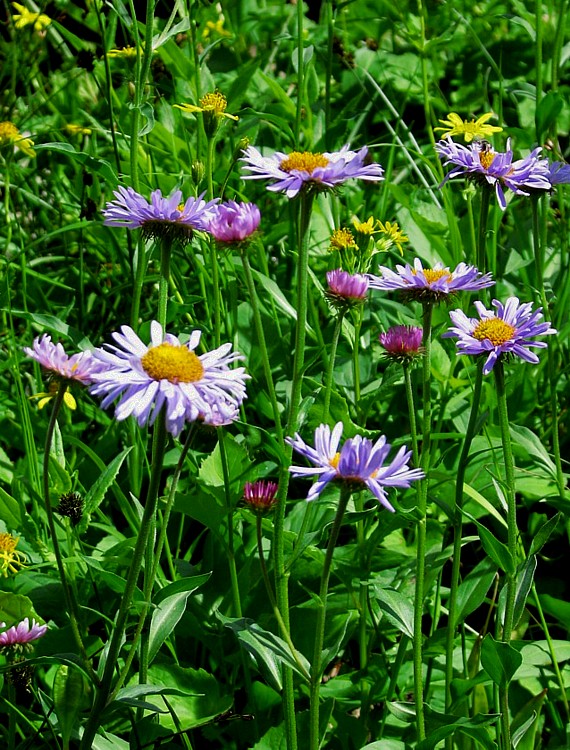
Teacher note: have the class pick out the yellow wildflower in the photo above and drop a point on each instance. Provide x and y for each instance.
(45, 398)
(393, 235)
(469, 129)
(25, 17)
(10, 558)
(77, 129)
(364, 227)
(9, 134)
(213, 28)
(342, 239)
(127, 51)
(214, 103)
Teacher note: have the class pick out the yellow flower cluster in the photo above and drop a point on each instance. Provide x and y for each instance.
(10, 558)
(25, 17)
(469, 129)
(10, 135)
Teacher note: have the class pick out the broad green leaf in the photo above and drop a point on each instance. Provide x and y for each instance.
(533, 446)
(70, 697)
(497, 551)
(472, 591)
(10, 511)
(98, 489)
(543, 534)
(525, 722)
(14, 608)
(188, 584)
(274, 739)
(500, 660)
(100, 166)
(397, 608)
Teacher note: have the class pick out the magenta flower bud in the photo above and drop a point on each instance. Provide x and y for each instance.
(233, 222)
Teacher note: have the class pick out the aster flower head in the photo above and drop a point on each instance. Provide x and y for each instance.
(167, 374)
(233, 222)
(496, 169)
(291, 173)
(469, 129)
(508, 331)
(359, 462)
(25, 17)
(559, 173)
(11, 136)
(260, 496)
(402, 343)
(11, 559)
(430, 284)
(162, 218)
(346, 290)
(19, 636)
(61, 368)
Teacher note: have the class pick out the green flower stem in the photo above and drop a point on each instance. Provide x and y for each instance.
(482, 233)
(411, 411)
(356, 360)
(328, 71)
(300, 73)
(550, 353)
(281, 575)
(216, 293)
(511, 535)
(330, 369)
(316, 665)
(397, 665)
(258, 325)
(147, 523)
(236, 596)
(70, 601)
(422, 490)
(282, 627)
(164, 281)
(457, 530)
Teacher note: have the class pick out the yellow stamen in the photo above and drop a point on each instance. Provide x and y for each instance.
(216, 102)
(496, 330)
(303, 162)
(432, 275)
(486, 158)
(334, 460)
(10, 558)
(174, 363)
(342, 239)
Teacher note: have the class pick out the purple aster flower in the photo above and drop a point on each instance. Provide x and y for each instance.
(402, 343)
(345, 289)
(233, 222)
(495, 168)
(167, 373)
(290, 173)
(433, 284)
(22, 633)
(359, 461)
(510, 330)
(559, 173)
(260, 496)
(162, 218)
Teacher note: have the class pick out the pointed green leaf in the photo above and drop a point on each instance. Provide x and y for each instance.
(500, 660)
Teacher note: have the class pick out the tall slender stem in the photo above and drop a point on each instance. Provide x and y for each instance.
(482, 233)
(316, 664)
(164, 281)
(512, 533)
(330, 369)
(300, 73)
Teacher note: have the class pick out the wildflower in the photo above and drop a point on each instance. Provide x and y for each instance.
(71, 506)
(489, 167)
(345, 289)
(509, 331)
(469, 129)
(215, 28)
(25, 17)
(342, 239)
(213, 107)
(162, 218)
(430, 284)
(402, 343)
(10, 135)
(365, 227)
(168, 374)
(260, 496)
(559, 173)
(61, 368)
(22, 633)
(10, 558)
(233, 222)
(290, 173)
(393, 235)
(77, 129)
(359, 462)
(127, 51)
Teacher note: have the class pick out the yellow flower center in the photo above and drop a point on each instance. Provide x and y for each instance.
(8, 131)
(486, 158)
(303, 162)
(334, 460)
(364, 227)
(215, 102)
(432, 275)
(10, 558)
(342, 239)
(496, 330)
(174, 363)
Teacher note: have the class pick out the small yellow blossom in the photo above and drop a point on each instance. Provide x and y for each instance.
(10, 558)
(77, 129)
(342, 239)
(9, 134)
(469, 129)
(127, 51)
(25, 17)
(214, 103)
(393, 235)
(364, 227)
(45, 398)
(213, 28)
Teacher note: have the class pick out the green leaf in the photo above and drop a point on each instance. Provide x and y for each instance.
(397, 608)
(99, 488)
(472, 591)
(70, 697)
(269, 651)
(274, 739)
(548, 110)
(525, 577)
(497, 551)
(532, 446)
(525, 723)
(100, 166)
(10, 511)
(499, 660)
(543, 534)
(14, 608)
